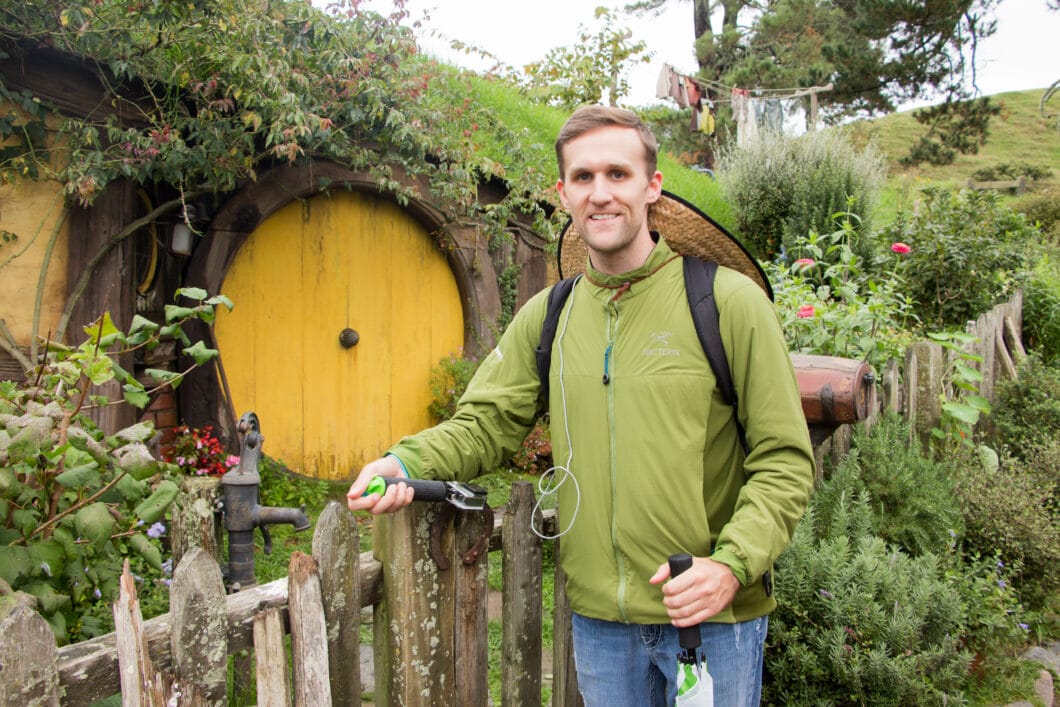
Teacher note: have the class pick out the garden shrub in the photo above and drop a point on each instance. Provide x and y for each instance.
(859, 622)
(75, 504)
(1011, 509)
(1011, 170)
(449, 379)
(967, 253)
(781, 188)
(1042, 208)
(911, 496)
(1027, 409)
(1041, 310)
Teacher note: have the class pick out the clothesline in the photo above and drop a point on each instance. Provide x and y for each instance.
(725, 90)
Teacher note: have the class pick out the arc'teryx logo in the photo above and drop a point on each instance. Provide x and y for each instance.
(659, 344)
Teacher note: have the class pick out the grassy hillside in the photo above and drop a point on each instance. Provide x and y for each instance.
(1018, 134)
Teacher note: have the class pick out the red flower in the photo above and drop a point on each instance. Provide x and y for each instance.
(900, 248)
(806, 311)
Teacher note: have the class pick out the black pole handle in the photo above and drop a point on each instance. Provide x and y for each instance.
(689, 635)
(422, 489)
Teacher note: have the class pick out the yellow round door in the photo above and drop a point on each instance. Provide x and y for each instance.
(343, 305)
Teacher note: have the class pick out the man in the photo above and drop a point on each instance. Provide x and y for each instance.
(653, 450)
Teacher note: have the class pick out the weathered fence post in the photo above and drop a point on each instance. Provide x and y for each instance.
(199, 637)
(336, 548)
(470, 612)
(564, 679)
(427, 614)
(29, 673)
(521, 642)
(192, 522)
(309, 639)
(923, 385)
(413, 662)
(270, 657)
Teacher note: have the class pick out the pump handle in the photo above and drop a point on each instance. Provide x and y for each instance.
(422, 489)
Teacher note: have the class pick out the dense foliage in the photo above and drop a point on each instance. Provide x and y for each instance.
(968, 252)
(73, 502)
(886, 610)
(219, 92)
(782, 188)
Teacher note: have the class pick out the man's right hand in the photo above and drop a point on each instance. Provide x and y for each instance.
(396, 497)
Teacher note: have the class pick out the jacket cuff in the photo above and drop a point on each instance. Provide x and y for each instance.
(409, 464)
(734, 563)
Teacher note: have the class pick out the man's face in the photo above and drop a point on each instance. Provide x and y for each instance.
(606, 189)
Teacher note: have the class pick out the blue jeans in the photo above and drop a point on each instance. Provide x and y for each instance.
(636, 664)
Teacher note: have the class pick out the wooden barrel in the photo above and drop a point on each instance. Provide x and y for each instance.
(834, 391)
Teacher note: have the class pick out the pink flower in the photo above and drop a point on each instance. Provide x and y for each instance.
(900, 248)
(806, 311)
(805, 263)
(232, 460)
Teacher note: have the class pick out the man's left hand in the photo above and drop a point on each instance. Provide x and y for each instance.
(698, 593)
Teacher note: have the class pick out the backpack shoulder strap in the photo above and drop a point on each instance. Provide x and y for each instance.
(543, 353)
(699, 287)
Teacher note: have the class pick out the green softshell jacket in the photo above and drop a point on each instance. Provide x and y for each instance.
(654, 450)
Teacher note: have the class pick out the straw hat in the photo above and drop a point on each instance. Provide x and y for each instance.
(686, 229)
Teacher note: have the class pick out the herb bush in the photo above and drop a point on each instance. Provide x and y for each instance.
(883, 610)
(910, 495)
(781, 188)
(967, 253)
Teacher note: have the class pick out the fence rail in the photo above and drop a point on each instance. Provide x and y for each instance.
(424, 580)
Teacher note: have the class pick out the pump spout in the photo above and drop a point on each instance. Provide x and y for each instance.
(268, 515)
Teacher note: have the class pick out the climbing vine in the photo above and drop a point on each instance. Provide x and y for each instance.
(207, 95)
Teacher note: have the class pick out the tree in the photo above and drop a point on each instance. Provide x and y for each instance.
(583, 73)
(876, 53)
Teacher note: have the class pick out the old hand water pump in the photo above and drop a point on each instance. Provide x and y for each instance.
(242, 513)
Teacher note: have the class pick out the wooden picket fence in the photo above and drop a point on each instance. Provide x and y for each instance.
(430, 640)
(426, 581)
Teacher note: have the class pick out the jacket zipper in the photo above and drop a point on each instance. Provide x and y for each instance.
(620, 561)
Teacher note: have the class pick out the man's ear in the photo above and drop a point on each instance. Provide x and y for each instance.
(655, 187)
(562, 195)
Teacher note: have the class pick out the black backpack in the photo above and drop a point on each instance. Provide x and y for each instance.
(699, 286)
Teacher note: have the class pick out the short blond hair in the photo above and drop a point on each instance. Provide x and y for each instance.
(589, 118)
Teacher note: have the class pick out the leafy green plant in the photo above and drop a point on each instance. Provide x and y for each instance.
(1011, 509)
(781, 188)
(1027, 408)
(1041, 310)
(449, 379)
(962, 405)
(282, 488)
(861, 623)
(967, 252)
(911, 496)
(73, 501)
(829, 305)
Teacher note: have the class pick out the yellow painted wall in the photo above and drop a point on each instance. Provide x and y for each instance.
(34, 211)
(309, 271)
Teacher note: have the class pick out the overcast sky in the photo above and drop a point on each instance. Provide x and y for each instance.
(1023, 54)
